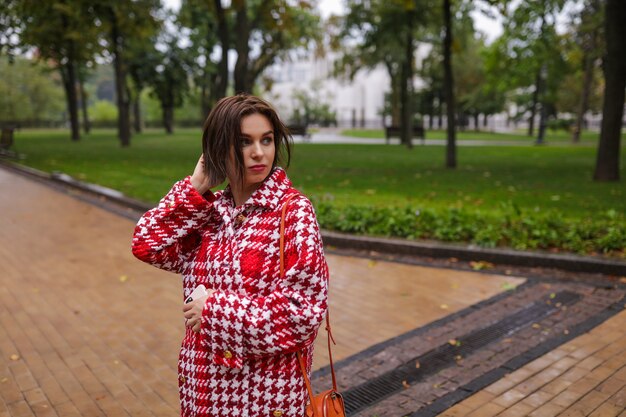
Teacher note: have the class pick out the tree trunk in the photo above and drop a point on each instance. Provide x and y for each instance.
(476, 122)
(407, 85)
(440, 111)
(137, 112)
(533, 107)
(123, 111)
(68, 75)
(168, 118)
(83, 103)
(449, 86)
(221, 81)
(243, 48)
(607, 161)
(485, 120)
(587, 84)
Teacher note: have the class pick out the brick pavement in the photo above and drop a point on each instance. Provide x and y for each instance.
(87, 330)
(583, 377)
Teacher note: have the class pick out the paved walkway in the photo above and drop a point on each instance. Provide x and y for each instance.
(584, 377)
(87, 330)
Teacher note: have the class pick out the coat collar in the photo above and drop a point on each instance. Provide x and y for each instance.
(268, 195)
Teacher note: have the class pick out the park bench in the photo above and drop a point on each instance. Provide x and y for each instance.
(396, 132)
(300, 130)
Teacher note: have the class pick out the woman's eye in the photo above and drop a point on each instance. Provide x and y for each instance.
(267, 141)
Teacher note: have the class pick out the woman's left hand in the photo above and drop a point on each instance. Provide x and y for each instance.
(193, 312)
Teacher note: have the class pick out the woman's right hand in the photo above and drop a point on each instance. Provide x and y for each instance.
(199, 178)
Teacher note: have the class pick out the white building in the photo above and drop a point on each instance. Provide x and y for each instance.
(359, 101)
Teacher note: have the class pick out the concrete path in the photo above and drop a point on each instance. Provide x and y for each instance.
(87, 330)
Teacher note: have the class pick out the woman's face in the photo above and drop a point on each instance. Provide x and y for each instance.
(257, 148)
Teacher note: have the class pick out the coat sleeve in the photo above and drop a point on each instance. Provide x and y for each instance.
(166, 235)
(236, 327)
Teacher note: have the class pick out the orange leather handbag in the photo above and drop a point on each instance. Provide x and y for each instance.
(330, 402)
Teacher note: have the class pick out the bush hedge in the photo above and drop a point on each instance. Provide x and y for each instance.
(513, 228)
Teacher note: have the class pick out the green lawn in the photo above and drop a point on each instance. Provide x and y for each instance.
(558, 136)
(488, 179)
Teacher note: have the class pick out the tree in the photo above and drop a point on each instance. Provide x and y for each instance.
(29, 91)
(528, 56)
(169, 80)
(62, 31)
(448, 86)
(207, 29)
(274, 28)
(10, 28)
(123, 20)
(607, 160)
(385, 32)
(589, 34)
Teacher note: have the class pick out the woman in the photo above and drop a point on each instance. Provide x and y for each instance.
(238, 356)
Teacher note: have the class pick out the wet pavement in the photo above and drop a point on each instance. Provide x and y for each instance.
(87, 330)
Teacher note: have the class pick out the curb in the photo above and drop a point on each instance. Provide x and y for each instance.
(569, 262)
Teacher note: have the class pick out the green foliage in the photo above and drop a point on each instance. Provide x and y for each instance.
(311, 108)
(103, 111)
(537, 180)
(560, 124)
(28, 92)
(515, 228)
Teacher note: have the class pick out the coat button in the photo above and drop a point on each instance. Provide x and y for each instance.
(277, 413)
(182, 379)
(240, 218)
(228, 354)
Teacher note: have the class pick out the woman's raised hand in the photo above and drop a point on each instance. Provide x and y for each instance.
(199, 179)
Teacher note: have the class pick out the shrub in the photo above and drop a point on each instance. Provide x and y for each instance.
(512, 227)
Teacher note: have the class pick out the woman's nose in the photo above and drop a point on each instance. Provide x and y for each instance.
(257, 150)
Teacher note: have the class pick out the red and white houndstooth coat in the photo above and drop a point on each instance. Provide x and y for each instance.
(243, 362)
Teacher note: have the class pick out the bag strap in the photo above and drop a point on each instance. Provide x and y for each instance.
(328, 329)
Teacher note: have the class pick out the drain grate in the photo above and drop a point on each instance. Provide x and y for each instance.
(433, 361)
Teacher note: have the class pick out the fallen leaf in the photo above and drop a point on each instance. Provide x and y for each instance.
(507, 286)
(565, 331)
(558, 305)
(444, 306)
(405, 384)
(458, 358)
(536, 326)
(507, 340)
(552, 296)
(371, 263)
(417, 365)
(436, 385)
(452, 342)
(480, 265)
(123, 278)
(15, 357)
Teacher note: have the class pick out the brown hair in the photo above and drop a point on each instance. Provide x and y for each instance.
(222, 131)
